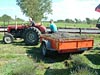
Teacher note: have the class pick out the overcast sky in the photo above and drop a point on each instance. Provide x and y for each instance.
(62, 9)
(75, 9)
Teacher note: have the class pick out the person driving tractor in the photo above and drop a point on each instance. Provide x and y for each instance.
(32, 22)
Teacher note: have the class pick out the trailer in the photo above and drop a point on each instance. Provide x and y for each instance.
(63, 43)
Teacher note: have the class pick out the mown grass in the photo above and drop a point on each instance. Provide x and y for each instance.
(19, 59)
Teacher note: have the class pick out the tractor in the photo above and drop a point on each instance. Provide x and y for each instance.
(30, 34)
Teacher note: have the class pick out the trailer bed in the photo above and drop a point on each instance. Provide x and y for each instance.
(64, 44)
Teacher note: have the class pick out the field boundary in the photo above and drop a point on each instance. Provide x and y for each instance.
(69, 30)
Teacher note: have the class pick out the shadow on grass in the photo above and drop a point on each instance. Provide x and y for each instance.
(94, 58)
(63, 71)
(57, 72)
(66, 71)
(1, 41)
(35, 53)
(98, 71)
(20, 43)
(96, 48)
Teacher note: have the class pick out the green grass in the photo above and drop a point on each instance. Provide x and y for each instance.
(12, 23)
(18, 59)
(62, 24)
(71, 25)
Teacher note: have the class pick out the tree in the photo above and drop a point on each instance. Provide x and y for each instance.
(35, 9)
(19, 19)
(78, 20)
(60, 20)
(5, 18)
(0, 19)
(88, 20)
(94, 21)
(69, 21)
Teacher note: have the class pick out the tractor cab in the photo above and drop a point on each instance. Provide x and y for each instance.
(98, 23)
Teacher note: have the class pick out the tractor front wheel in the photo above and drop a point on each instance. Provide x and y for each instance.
(8, 38)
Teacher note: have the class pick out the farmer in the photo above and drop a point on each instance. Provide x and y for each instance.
(53, 27)
(32, 22)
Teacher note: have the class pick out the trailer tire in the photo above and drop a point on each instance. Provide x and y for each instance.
(44, 49)
(8, 38)
(31, 36)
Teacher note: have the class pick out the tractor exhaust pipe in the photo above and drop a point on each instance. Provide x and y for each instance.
(16, 23)
(4, 27)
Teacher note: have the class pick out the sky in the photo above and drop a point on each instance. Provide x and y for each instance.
(62, 9)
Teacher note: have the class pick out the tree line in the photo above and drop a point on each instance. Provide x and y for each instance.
(87, 20)
(8, 18)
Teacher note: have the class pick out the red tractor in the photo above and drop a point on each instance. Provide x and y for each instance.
(30, 34)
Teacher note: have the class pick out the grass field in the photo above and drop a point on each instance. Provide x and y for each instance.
(63, 24)
(11, 23)
(18, 59)
(72, 25)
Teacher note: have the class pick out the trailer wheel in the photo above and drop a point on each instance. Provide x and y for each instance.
(44, 50)
(8, 38)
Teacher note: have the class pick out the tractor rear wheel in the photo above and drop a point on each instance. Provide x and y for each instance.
(8, 38)
(32, 36)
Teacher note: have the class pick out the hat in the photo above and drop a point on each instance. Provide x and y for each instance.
(30, 19)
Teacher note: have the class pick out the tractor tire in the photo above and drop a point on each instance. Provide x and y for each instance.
(23, 34)
(32, 36)
(8, 38)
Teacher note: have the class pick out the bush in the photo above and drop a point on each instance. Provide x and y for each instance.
(80, 67)
(78, 60)
(83, 71)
